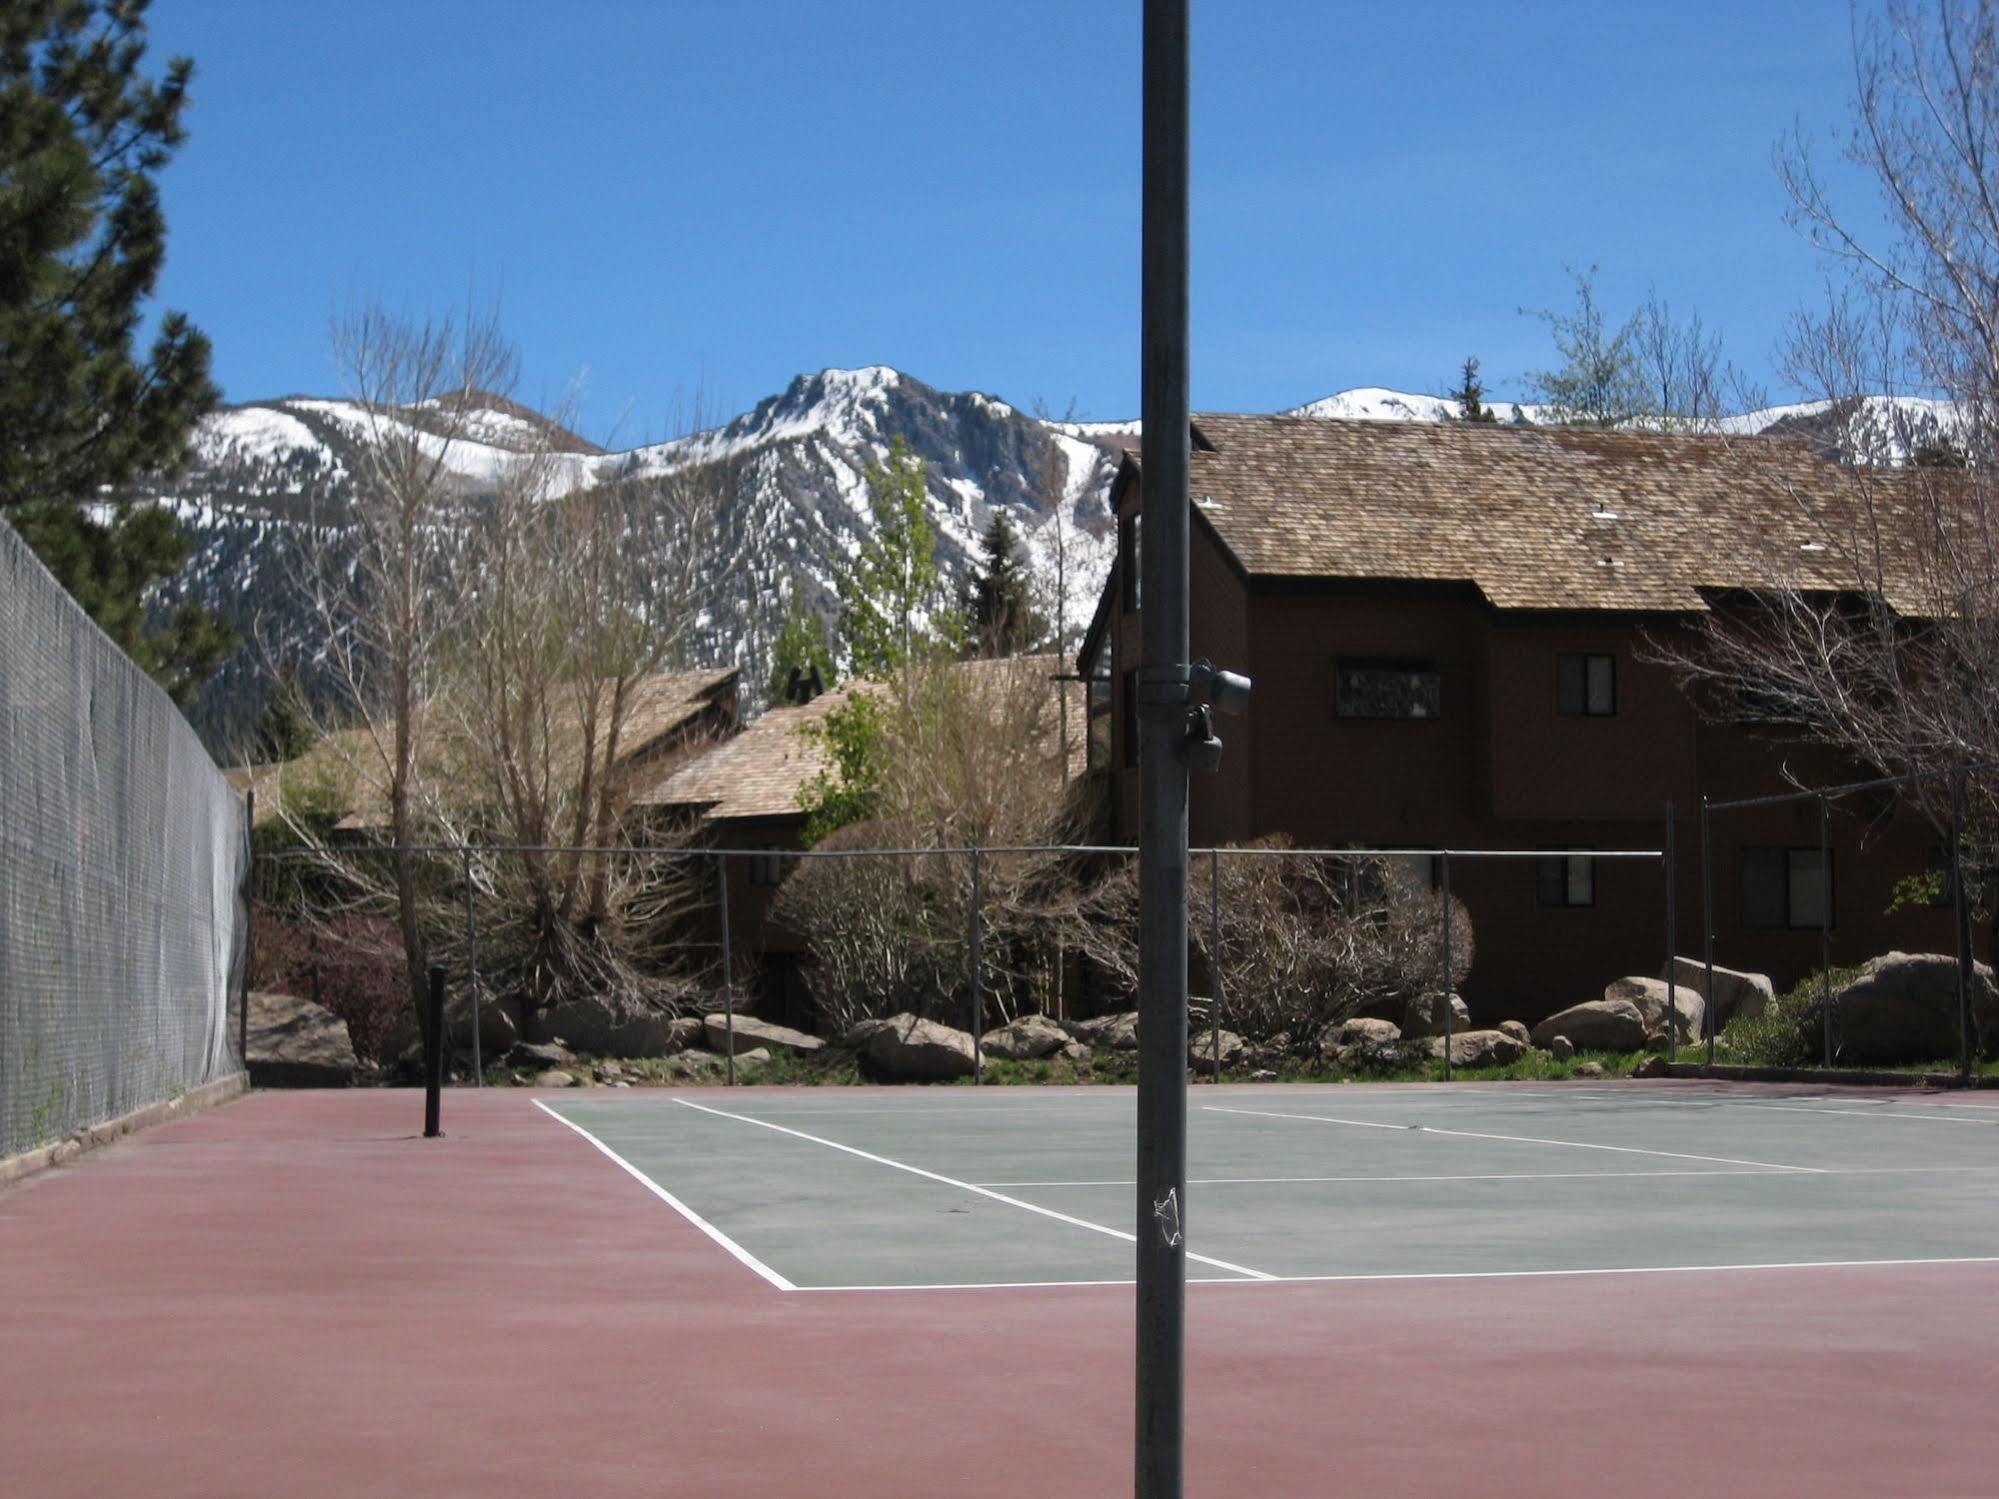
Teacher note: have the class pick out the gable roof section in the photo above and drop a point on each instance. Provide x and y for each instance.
(757, 774)
(1535, 517)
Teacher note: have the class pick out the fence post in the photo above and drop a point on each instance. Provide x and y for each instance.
(472, 971)
(1825, 925)
(1673, 944)
(1961, 911)
(433, 1056)
(1215, 960)
(728, 965)
(249, 926)
(1444, 860)
(1707, 927)
(976, 942)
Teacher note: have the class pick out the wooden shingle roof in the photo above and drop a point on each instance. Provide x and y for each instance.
(1535, 517)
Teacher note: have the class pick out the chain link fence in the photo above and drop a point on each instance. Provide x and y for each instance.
(123, 857)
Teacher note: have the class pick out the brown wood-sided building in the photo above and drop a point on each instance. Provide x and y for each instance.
(1454, 632)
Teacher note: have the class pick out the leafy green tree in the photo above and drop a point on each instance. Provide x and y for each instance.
(891, 584)
(1000, 617)
(1470, 396)
(849, 790)
(83, 134)
(803, 645)
(1600, 382)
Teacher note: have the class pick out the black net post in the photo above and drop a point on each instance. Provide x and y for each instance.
(433, 1056)
(1672, 871)
(974, 952)
(1450, 989)
(1961, 910)
(472, 972)
(1825, 927)
(728, 965)
(1708, 1020)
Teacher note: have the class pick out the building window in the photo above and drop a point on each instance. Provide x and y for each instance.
(1784, 887)
(1128, 563)
(767, 870)
(1129, 718)
(1565, 880)
(1387, 689)
(1585, 685)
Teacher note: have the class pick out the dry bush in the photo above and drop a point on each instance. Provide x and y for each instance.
(1305, 941)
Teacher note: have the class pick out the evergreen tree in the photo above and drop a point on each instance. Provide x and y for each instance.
(802, 646)
(283, 732)
(1000, 618)
(891, 584)
(82, 238)
(1470, 396)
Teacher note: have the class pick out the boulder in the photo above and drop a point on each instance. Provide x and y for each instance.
(1652, 1067)
(1485, 1049)
(1517, 1031)
(1424, 1015)
(751, 1033)
(857, 1034)
(1561, 1048)
(755, 1055)
(694, 1064)
(499, 1026)
(1737, 995)
(554, 1079)
(1076, 1051)
(295, 1043)
(684, 1031)
(542, 1054)
(1360, 1031)
(1650, 996)
(1203, 1046)
(1596, 1025)
(914, 1050)
(1588, 1069)
(598, 1028)
(1903, 1008)
(1121, 1036)
(1025, 1039)
(1094, 1031)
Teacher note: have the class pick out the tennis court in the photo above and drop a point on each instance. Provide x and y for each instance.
(952, 1188)
(1494, 1289)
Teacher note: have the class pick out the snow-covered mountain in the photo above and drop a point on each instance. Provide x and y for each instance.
(1868, 429)
(266, 474)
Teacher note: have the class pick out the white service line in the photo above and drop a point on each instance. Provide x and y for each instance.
(1533, 1176)
(1472, 1134)
(1397, 1275)
(675, 1203)
(964, 1186)
(1879, 1111)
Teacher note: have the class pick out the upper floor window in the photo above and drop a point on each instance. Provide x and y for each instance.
(1128, 560)
(1386, 689)
(1784, 887)
(1585, 685)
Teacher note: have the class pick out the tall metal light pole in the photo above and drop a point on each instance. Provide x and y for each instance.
(1164, 702)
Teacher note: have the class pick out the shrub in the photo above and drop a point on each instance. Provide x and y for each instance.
(361, 976)
(1790, 1033)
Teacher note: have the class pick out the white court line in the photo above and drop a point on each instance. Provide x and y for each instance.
(1879, 1111)
(1472, 1134)
(965, 1186)
(1532, 1176)
(675, 1203)
(1395, 1275)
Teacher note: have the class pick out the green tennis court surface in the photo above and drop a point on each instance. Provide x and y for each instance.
(959, 1188)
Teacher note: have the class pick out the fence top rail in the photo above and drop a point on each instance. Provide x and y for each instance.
(1849, 788)
(354, 850)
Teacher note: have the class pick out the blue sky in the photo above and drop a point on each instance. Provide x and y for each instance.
(698, 199)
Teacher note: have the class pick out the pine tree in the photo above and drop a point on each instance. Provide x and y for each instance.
(82, 238)
(1000, 618)
(891, 584)
(802, 646)
(1470, 396)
